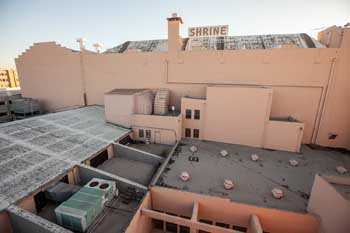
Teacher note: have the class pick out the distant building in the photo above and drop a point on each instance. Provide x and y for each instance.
(8, 78)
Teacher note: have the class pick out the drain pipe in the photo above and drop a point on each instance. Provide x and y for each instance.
(324, 104)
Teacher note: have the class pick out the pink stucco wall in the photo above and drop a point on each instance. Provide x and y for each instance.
(139, 223)
(334, 210)
(281, 135)
(237, 114)
(223, 210)
(310, 84)
(193, 104)
(164, 129)
(52, 74)
(241, 115)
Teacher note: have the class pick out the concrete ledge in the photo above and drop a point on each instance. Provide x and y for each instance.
(136, 155)
(163, 166)
(87, 173)
(25, 221)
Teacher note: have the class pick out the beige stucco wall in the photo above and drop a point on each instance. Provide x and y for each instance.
(52, 74)
(193, 104)
(334, 209)
(237, 114)
(282, 135)
(299, 77)
(336, 112)
(164, 129)
(224, 210)
(119, 109)
(139, 223)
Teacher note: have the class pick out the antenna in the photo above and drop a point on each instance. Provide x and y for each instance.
(98, 47)
(81, 42)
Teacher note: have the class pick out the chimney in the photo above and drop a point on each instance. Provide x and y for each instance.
(174, 29)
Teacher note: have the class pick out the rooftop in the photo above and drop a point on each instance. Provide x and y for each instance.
(300, 40)
(37, 150)
(253, 180)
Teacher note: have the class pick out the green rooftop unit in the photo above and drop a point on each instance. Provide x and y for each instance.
(81, 209)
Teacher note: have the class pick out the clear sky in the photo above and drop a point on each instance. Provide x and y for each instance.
(23, 22)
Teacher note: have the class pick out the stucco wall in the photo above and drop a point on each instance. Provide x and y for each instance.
(140, 223)
(336, 112)
(193, 104)
(299, 77)
(164, 129)
(282, 135)
(223, 210)
(52, 74)
(327, 203)
(237, 114)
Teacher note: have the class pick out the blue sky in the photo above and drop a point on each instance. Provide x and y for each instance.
(23, 22)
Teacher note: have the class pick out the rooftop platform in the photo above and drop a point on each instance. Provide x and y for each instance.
(37, 150)
(125, 91)
(253, 180)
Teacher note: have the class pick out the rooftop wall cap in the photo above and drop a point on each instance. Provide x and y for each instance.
(341, 169)
(223, 153)
(293, 162)
(193, 149)
(254, 157)
(184, 176)
(277, 193)
(228, 184)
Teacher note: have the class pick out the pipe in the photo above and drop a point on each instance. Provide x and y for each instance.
(324, 102)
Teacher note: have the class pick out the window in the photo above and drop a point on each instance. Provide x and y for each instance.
(197, 114)
(187, 133)
(148, 133)
(141, 133)
(221, 224)
(157, 224)
(238, 228)
(196, 133)
(188, 114)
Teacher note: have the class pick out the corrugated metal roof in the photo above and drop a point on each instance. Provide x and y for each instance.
(300, 40)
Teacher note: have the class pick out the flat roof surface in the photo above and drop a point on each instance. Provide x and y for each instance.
(136, 171)
(253, 180)
(125, 91)
(37, 150)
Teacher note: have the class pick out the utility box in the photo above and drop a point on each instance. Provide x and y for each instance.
(121, 104)
(81, 209)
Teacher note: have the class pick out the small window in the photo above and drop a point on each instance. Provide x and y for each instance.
(187, 132)
(221, 224)
(238, 228)
(188, 114)
(197, 114)
(148, 133)
(141, 133)
(196, 133)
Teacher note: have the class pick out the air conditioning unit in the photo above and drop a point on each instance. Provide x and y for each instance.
(81, 209)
